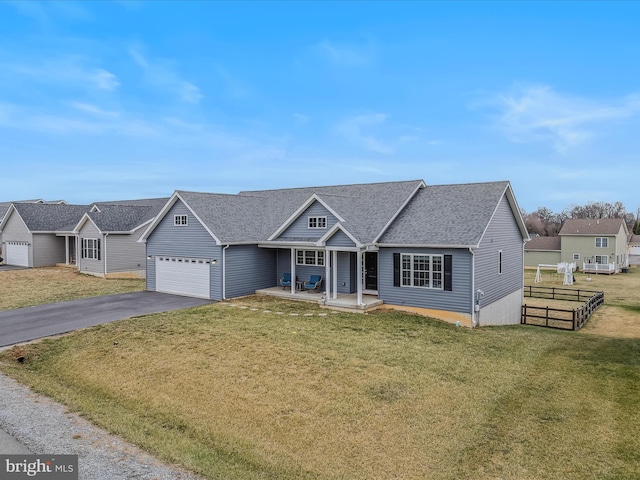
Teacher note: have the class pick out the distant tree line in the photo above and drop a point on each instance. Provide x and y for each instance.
(546, 223)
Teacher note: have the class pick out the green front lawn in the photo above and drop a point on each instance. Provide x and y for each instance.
(259, 392)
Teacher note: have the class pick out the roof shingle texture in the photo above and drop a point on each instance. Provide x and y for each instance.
(543, 243)
(126, 215)
(454, 215)
(254, 216)
(49, 217)
(591, 226)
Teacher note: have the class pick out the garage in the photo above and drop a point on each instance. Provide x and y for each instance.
(17, 253)
(635, 250)
(183, 276)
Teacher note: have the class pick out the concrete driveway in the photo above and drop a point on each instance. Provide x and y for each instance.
(11, 267)
(29, 323)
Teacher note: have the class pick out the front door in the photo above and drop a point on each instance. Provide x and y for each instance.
(371, 271)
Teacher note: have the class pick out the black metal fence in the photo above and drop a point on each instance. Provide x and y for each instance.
(564, 319)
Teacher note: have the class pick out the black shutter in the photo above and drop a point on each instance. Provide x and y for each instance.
(82, 248)
(396, 269)
(448, 262)
(98, 248)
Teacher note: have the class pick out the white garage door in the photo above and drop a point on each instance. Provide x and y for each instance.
(183, 276)
(635, 250)
(17, 253)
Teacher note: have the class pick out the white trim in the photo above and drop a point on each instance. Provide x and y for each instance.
(322, 241)
(170, 203)
(299, 211)
(180, 220)
(317, 219)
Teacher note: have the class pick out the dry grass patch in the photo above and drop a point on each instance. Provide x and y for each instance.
(36, 286)
(619, 317)
(250, 393)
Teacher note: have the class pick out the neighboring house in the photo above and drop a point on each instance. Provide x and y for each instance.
(454, 252)
(40, 234)
(4, 207)
(107, 237)
(542, 251)
(593, 244)
(634, 244)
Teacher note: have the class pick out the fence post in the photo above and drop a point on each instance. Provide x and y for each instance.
(547, 316)
(573, 315)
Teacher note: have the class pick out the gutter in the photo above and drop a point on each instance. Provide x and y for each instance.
(474, 320)
(105, 254)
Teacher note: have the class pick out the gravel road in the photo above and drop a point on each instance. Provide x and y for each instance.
(46, 427)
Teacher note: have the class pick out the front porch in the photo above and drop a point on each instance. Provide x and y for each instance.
(344, 301)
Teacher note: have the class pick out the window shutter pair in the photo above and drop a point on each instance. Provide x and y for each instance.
(448, 268)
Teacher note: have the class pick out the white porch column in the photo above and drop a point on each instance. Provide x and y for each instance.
(359, 276)
(334, 280)
(327, 275)
(66, 249)
(293, 271)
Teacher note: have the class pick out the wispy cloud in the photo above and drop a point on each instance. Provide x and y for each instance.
(161, 74)
(356, 130)
(540, 114)
(65, 70)
(347, 54)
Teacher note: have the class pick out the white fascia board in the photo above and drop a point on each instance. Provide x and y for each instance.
(81, 223)
(95, 209)
(170, 203)
(294, 216)
(7, 214)
(513, 203)
(402, 207)
(323, 240)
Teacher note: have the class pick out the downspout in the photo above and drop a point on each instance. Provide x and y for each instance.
(105, 254)
(474, 320)
(224, 272)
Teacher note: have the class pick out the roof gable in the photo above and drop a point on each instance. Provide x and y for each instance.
(451, 215)
(48, 217)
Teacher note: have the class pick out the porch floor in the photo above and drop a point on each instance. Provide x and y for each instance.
(345, 301)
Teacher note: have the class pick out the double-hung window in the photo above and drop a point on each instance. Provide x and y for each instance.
(310, 257)
(602, 242)
(424, 271)
(91, 248)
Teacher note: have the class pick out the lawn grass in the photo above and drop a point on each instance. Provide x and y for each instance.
(275, 390)
(36, 286)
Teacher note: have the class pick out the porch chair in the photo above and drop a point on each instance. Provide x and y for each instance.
(314, 283)
(285, 281)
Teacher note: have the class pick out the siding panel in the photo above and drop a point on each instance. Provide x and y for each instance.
(91, 265)
(248, 269)
(502, 234)
(300, 227)
(191, 240)
(48, 250)
(456, 300)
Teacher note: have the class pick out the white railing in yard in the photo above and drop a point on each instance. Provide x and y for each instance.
(599, 267)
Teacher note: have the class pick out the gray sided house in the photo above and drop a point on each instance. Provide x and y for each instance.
(453, 252)
(40, 234)
(107, 237)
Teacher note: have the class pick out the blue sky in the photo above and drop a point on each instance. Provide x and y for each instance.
(114, 100)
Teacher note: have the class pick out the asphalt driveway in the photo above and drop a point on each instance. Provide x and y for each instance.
(30, 323)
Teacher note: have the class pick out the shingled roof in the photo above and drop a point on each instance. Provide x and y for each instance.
(455, 215)
(544, 243)
(253, 216)
(50, 217)
(591, 226)
(125, 215)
